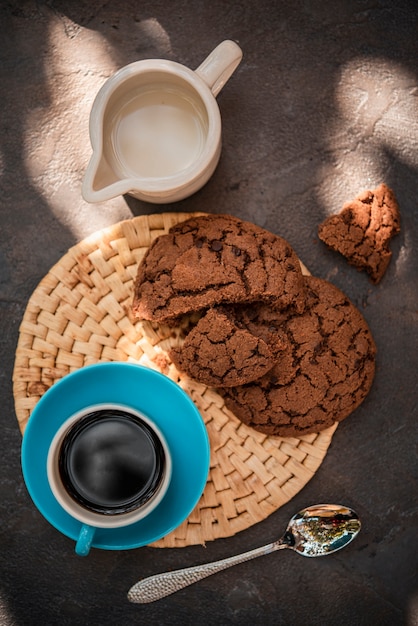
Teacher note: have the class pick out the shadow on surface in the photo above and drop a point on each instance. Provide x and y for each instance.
(279, 117)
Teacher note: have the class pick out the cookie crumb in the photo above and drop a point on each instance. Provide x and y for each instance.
(362, 231)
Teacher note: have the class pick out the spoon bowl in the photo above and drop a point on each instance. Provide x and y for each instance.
(321, 529)
(315, 531)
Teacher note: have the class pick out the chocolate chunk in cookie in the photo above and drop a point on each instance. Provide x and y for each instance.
(320, 378)
(214, 259)
(363, 229)
(218, 353)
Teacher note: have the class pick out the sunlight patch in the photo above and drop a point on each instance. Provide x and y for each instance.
(376, 118)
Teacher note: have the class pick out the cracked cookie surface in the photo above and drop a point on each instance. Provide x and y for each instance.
(320, 378)
(362, 231)
(219, 353)
(215, 259)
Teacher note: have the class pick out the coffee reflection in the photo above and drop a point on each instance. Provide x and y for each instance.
(111, 462)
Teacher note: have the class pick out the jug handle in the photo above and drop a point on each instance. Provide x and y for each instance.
(219, 66)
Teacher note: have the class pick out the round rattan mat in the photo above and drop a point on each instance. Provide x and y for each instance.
(80, 314)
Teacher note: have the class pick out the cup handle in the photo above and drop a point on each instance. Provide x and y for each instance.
(219, 66)
(85, 539)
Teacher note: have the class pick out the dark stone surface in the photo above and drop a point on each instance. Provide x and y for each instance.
(324, 105)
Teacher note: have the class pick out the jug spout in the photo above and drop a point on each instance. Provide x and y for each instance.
(100, 182)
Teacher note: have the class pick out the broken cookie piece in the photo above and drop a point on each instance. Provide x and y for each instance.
(211, 260)
(323, 374)
(218, 353)
(363, 229)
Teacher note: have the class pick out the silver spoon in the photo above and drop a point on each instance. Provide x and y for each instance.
(315, 531)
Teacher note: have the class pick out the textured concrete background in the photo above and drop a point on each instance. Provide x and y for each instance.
(324, 105)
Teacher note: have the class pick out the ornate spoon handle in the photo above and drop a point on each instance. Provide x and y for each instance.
(162, 585)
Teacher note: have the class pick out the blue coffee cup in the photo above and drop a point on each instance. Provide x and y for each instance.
(105, 470)
(146, 395)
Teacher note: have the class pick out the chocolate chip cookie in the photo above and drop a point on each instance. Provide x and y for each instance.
(215, 259)
(219, 353)
(323, 374)
(363, 229)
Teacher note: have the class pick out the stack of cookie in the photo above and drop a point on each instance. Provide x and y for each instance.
(289, 353)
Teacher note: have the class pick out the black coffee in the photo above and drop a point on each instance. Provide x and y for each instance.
(111, 461)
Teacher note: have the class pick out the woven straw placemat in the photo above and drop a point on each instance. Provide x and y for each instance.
(80, 314)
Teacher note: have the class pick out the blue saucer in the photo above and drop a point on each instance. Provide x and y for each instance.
(149, 392)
